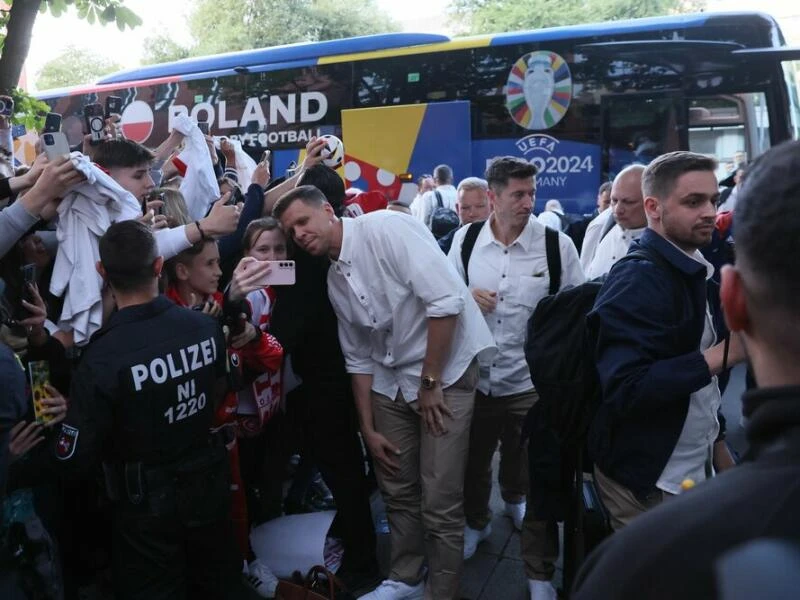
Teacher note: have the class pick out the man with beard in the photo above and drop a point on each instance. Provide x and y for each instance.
(658, 354)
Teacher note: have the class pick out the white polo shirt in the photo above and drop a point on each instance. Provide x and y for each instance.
(518, 273)
(611, 248)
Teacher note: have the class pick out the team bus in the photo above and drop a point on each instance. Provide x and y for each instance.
(580, 102)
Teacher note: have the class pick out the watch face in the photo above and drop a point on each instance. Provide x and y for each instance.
(428, 382)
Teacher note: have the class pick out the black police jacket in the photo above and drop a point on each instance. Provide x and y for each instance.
(144, 389)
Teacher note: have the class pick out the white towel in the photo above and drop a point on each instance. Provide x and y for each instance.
(84, 215)
(199, 186)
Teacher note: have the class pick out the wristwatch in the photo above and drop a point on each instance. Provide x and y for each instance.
(429, 382)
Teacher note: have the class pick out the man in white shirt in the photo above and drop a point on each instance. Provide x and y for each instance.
(508, 275)
(627, 206)
(410, 333)
(551, 215)
(443, 178)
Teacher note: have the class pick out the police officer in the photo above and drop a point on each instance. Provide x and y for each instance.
(142, 401)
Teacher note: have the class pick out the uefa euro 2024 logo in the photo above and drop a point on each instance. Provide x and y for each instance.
(539, 90)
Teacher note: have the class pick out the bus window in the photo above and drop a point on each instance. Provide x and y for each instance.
(639, 127)
(717, 128)
(791, 72)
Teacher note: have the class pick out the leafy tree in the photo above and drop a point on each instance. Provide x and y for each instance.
(74, 66)
(493, 16)
(16, 24)
(161, 48)
(229, 25)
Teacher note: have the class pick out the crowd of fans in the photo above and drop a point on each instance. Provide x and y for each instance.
(132, 277)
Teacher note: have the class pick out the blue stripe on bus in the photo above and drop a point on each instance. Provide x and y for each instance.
(278, 54)
(599, 29)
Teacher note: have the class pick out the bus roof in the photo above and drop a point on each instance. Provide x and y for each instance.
(374, 46)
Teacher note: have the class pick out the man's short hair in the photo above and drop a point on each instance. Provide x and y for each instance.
(472, 183)
(766, 226)
(443, 174)
(127, 252)
(122, 153)
(327, 181)
(503, 168)
(308, 194)
(605, 188)
(660, 176)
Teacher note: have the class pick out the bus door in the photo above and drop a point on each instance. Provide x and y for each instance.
(384, 142)
(637, 127)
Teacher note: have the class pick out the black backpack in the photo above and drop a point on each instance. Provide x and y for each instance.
(442, 218)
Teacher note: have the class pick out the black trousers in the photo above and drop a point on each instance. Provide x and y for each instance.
(325, 414)
(157, 557)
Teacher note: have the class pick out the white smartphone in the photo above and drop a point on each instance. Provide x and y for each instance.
(281, 273)
(55, 145)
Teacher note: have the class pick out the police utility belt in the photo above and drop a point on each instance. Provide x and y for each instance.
(195, 489)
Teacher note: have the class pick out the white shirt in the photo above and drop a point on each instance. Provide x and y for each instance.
(518, 273)
(391, 276)
(549, 218)
(592, 237)
(694, 450)
(611, 248)
(429, 203)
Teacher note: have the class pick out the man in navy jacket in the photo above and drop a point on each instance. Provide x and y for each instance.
(657, 352)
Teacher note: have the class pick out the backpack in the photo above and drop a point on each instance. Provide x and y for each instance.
(560, 352)
(443, 217)
(550, 245)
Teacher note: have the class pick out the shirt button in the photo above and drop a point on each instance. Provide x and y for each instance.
(374, 320)
(505, 251)
(501, 298)
(499, 321)
(494, 364)
(504, 275)
(348, 274)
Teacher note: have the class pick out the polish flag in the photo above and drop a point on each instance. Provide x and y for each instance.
(137, 121)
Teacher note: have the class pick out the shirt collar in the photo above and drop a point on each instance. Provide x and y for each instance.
(139, 312)
(530, 233)
(346, 254)
(674, 255)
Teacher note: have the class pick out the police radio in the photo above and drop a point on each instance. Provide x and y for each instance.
(95, 121)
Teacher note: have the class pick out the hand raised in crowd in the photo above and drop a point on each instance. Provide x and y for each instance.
(227, 149)
(153, 216)
(34, 324)
(55, 406)
(261, 175)
(223, 218)
(24, 437)
(57, 177)
(314, 149)
(487, 300)
(111, 131)
(433, 409)
(246, 277)
(245, 337)
(382, 450)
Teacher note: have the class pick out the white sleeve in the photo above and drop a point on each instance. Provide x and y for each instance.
(171, 241)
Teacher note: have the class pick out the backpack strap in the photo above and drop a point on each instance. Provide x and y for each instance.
(468, 244)
(553, 259)
(610, 222)
(439, 200)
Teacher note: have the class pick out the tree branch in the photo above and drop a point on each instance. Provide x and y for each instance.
(17, 43)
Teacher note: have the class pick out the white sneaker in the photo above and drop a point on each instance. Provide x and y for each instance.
(541, 590)
(516, 512)
(473, 537)
(261, 579)
(396, 590)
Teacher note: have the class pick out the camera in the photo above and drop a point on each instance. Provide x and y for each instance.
(95, 122)
(6, 106)
(48, 139)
